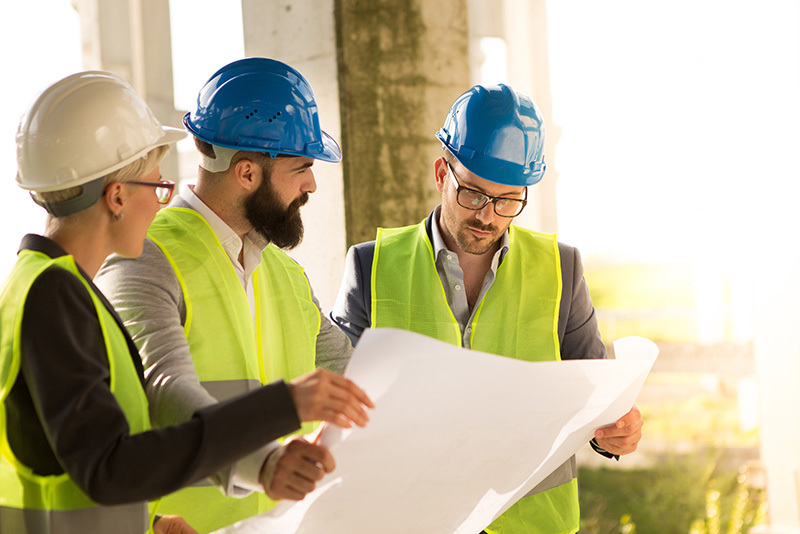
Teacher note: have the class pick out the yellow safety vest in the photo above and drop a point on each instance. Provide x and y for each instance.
(54, 504)
(232, 352)
(517, 318)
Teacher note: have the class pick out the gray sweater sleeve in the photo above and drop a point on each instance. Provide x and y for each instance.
(333, 347)
(147, 295)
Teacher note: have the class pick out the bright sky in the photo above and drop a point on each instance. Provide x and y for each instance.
(41, 43)
(189, 20)
(679, 118)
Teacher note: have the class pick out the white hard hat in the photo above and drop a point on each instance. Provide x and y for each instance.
(82, 128)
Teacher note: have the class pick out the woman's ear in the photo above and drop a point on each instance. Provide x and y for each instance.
(115, 198)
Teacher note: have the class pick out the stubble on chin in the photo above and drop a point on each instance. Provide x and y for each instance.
(465, 239)
(473, 245)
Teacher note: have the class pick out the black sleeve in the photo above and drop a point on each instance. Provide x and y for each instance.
(65, 366)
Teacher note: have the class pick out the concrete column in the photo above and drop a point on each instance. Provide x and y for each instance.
(776, 263)
(384, 74)
(302, 34)
(486, 19)
(132, 38)
(402, 63)
(529, 72)
(106, 36)
(777, 350)
(522, 24)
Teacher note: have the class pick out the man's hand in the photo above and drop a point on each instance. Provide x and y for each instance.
(622, 437)
(324, 396)
(292, 470)
(172, 524)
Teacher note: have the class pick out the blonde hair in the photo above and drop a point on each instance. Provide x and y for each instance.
(129, 172)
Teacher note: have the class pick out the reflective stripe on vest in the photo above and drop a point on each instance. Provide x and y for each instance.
(407, 293)
(232, 352)
(122, 519)
(34, 504)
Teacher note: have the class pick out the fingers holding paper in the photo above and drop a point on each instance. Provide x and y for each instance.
(622, 437)
(293, 470)
(325, 396)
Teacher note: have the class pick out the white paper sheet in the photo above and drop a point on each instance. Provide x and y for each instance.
(457, 436)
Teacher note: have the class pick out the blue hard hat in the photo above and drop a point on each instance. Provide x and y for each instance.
(497, 134)
(261, 105)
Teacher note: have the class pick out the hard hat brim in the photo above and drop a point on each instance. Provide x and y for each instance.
(170, 135)
(330, 148)
(331, 153)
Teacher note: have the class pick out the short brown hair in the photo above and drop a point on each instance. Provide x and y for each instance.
(261, 158)
(450, 158)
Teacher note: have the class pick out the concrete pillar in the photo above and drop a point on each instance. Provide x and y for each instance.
(402, 63)
(529, 73)
(132, 39)
(302, 34)
(776, 262)
(106, 36)
(777, 350)
(522, 24)
(486, 19)
(384, 74)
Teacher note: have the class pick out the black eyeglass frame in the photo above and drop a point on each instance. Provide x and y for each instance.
(488, 198)
(165, 184)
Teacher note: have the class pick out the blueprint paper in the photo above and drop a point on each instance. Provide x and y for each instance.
(457, 436)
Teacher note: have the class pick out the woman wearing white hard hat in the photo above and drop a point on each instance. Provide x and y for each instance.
(77, 453)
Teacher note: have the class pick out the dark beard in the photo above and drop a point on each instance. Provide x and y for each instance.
(279, 225)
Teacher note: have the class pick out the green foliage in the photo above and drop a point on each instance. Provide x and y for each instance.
(643, 299)
(640, 285)
(683, 411)
(683, 495)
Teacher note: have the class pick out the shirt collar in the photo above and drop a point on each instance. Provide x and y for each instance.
(225, 234)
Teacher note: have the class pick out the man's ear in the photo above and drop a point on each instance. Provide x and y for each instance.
(247, 174)
(115, 198)
(440, 173)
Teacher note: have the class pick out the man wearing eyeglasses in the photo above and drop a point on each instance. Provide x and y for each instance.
(467, 276)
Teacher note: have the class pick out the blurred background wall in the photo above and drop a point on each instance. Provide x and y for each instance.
(671, 146)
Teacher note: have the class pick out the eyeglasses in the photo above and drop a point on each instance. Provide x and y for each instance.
(472, 199)
(164, 189)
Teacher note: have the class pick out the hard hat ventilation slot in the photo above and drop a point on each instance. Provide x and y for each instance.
(252, 113)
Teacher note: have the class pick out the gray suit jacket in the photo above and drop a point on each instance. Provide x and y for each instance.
(577, 322)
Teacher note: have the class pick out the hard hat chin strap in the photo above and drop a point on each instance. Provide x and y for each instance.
(222, 162)
(92, 191)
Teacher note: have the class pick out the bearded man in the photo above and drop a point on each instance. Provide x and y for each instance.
(214, 305)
